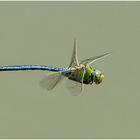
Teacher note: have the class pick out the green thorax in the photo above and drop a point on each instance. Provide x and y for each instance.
(88, 72)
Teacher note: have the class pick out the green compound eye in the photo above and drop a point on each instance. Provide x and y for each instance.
(97, 77)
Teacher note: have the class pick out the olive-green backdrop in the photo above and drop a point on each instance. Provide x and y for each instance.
(43, 33)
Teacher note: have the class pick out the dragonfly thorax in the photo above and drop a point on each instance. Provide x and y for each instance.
(88, 76)
(82, 74)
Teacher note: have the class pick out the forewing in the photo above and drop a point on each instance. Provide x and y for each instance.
(74, 59)
(93, 59)
(75, 87)
(51, 80)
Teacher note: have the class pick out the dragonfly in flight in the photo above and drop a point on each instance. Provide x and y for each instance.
(77, 73)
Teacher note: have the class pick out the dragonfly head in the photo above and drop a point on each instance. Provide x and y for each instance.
(97, 76)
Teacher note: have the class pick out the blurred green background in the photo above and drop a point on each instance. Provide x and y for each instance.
(43, 33)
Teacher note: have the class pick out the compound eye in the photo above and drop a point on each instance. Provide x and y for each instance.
(102, 76)
(97, 77)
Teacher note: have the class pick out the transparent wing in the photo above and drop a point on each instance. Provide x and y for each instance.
(51, 80)
(74, 86)
(74, 59)
(93, 59)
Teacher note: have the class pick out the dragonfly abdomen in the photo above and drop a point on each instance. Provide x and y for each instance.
(32, 67)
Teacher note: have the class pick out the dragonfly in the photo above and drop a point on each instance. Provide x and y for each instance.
(77, 73)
